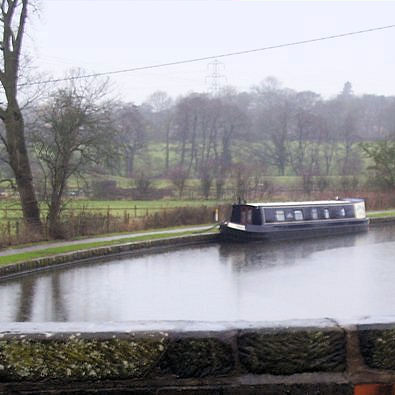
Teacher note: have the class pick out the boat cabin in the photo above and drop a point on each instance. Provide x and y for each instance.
(260, 213)
(320, 215)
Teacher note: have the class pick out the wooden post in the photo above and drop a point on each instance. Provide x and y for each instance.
(17, 230)
(9, 231)
(135, 210)
(108, 220)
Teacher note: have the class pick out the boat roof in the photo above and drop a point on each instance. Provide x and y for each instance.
(306, 203)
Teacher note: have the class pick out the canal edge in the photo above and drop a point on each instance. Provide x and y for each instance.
(103, 253)
(123, 250)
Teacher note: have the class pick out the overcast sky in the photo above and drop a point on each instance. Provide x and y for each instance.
(107, 35)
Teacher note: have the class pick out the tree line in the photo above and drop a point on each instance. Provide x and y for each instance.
(272, 129)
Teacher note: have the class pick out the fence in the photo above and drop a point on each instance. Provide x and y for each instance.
(13, 213)
(93, 221)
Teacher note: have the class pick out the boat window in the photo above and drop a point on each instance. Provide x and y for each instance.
(243, 216)
(249, 216)
(246, 215)
(289, 215)
(326, 213)
(314, 213)
(280, 215)
(236, 214)
(298, 215)
(256, 216)
(342, 212)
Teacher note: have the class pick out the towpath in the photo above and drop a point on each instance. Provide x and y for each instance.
(42, 246)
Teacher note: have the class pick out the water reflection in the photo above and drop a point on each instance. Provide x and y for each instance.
(256, 256)
(339, 277)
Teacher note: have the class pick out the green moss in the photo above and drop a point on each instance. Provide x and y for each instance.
(195, 357)
(378, 348)
(292, 352)
(78, 359)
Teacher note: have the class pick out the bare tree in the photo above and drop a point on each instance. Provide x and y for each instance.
(273, 124)
(206, 176)
(12, 21)
(131, 134)
(328, 134)
(161, 105)
(178, 176)
(303, 148)
(349, 115)
(232, 125)
(74, 129)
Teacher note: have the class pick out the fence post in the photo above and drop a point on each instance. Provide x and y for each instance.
(17, 230)
(9, 231)
(135, 210)
(216, 211)
(108, 220)
(146, 212)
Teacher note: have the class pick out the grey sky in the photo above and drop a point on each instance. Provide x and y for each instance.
(105, 35)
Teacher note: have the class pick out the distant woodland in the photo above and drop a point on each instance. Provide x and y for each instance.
(233, 139)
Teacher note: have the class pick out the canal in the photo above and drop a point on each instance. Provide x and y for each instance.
(342, 277)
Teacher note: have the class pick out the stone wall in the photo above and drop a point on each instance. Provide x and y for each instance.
(311, 357)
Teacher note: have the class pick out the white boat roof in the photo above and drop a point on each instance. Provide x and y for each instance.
(306, 203)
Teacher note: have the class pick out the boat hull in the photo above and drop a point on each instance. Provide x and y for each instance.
(292, 231)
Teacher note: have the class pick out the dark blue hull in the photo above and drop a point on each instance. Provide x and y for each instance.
(292, 231)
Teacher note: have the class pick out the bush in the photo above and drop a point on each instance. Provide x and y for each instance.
(104, 189)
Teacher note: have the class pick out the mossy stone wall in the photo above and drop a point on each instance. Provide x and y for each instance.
(239, 359)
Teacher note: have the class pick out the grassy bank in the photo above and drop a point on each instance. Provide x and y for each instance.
(26, 256)
(381, 214)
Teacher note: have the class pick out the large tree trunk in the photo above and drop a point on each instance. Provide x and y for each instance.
(13, 23)
(19, 161)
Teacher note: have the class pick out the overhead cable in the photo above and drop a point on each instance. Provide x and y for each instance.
(205, 58)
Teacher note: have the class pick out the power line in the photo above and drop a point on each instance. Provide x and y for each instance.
(213, 57)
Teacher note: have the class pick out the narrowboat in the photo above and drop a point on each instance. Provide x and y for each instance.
(292, 220)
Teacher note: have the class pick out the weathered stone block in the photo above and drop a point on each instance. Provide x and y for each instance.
(292, 389)
(76, 358)
(198, 357)
(192, 391)
(283, 352)
(377, 344)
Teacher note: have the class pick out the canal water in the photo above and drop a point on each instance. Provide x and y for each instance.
(342, 277)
